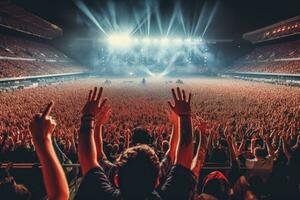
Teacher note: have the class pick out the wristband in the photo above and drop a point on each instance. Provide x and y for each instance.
(185, 115)
(87, 118)
(87, 127)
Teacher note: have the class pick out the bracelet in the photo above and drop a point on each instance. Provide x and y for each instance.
(87, 127)
(185, 115)
(87, 118)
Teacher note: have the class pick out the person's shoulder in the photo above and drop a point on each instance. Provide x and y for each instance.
(204, 196)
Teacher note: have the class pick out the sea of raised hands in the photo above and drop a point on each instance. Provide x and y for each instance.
(238, 105)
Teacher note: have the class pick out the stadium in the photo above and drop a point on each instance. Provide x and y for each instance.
(149, 99)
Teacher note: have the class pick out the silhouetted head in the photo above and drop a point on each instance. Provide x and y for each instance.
(140, 136)
(259, 152)
(11, 190)
(217, 185)
(138, 169)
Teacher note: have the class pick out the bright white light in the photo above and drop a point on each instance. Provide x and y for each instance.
(124, 40)
(188, 41)
(146, 40)
(155, 41)
(177, 41)
(164, 41)
(120, 40)
(136, 40)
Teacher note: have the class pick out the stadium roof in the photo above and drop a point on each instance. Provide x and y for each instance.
(16, 18)
(278, 30)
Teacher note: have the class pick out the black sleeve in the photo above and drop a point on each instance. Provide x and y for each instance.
(95, 185)
(179, 184)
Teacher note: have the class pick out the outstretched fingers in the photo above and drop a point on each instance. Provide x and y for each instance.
(179, 93)
(94, 94)
(183, 95)
(174, 95)
(103, 103)
(99, 94)
(48, 109)
(171, 105)
(90, 95)
(189, 99)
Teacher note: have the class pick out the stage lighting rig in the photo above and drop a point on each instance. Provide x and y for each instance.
(124, 40)
(119, 40)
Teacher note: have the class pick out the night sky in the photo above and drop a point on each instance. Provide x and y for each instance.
(231, 20)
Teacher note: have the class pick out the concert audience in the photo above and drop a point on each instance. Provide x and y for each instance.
(43, 59)
(236, 126)
(276, 58)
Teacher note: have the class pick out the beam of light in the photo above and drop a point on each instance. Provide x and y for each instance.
(107, 21)
(145, 69)
(138, 26)
(158, 21)
(168, 69)
(88, 13)
(173, 17)
(112, 12)
(200, 18)
(148, 18)
(213, 12)
(180, 15)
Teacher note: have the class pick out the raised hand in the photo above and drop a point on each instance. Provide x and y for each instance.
(55, 181)
(199, 158)
(43, 125)
(172, 117)
(94, 106)
(182, 109)
(103, 116)
(182, 106)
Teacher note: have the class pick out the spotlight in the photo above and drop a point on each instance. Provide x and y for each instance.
(136, 40)
(164, 41)
(177, 41)
(155, 41)
(188, 41)
(120, 40)
(146, 40)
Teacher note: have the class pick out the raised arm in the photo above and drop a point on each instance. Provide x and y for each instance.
(101, 119)
(182, 108)
(54, 178)
(286, 149)
(86, 145)
(171, 153)
(270, 148)
(199, 158)
(242, 145)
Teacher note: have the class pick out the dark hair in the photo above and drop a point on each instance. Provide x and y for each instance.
(216, 184)
(11, 190)
(165, 146)
(260, 152)
(140, 136)
(138, 169)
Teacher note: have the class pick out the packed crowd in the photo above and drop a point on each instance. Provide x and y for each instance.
(275, 51)
(18, 68)
(267, 59)
(16, 47)
(235, 123)
(44, 59)
(282, 67)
